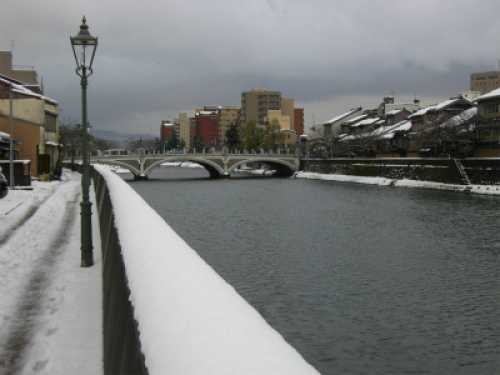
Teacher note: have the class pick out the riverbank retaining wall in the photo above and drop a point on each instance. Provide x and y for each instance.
(478, 171)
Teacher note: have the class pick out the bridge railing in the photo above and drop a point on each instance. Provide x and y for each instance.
(205, 151)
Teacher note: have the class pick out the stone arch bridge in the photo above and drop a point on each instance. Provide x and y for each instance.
(219, 165)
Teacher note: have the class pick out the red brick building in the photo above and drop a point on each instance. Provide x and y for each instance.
(299, 120)
(166, 130)
(207, 125)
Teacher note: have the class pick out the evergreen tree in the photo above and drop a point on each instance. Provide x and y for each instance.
(253, 135)
(172, 142)
(198, 143)
(159, 145)
(182, 143)
(233, 139)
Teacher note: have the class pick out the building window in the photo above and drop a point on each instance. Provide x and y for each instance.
(50, 122)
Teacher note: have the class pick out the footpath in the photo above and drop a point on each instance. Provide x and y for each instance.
(51, 309)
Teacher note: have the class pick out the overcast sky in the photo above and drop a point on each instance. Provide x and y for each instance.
(158, 57)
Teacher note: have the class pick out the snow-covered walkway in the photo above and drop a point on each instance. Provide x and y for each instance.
(51, 308)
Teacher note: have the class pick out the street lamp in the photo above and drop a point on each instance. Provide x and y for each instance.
(84, 46)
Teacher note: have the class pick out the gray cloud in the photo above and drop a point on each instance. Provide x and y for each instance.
(157, 58)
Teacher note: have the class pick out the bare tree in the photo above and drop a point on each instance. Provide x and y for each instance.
(70, 134)
(450, 135)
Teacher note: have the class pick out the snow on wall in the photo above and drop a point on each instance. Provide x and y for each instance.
(190, 320)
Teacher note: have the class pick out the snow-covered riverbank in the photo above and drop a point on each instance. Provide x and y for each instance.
(476, 189)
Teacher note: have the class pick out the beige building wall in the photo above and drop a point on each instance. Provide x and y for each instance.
(30, 116)
(283, 120)
(228, 116)
(287, 109)
(27, 75)
(256, 103)
(185, 129)
(485, 81)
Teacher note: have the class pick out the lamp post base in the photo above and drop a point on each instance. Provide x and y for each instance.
(86, 234)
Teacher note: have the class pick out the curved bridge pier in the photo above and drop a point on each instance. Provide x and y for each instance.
(219, 165)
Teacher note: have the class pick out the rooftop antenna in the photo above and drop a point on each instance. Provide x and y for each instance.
(12, 46)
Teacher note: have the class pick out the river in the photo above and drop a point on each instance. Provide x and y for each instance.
(359, 279)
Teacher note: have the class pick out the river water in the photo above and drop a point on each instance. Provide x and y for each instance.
(359, 279)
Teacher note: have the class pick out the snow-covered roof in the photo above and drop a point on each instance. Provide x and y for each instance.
(368, 121)
(4, 136)
(19, 89)
(404, 125)
(344, 115)
(461, 117)
(206, 113)
(436, 107)
(491, 95)
(355, 119)
(394, 112)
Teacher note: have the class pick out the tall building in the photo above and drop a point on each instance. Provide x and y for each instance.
(166, 129)
(207, 125)
(485, 81)
(184, 130)
(256, 103)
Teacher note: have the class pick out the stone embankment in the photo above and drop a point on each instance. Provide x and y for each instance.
(485, 171)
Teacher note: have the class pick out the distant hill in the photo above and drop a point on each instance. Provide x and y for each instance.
(114, 136)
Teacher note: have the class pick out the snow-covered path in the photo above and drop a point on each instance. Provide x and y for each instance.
(50, 311)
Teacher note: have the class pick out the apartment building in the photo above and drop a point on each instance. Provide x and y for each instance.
(485, 81)
(207, 125)
(166, 129)
(184, 130)
(255, 104)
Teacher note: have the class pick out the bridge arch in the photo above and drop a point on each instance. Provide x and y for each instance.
(136, 172)
(213, 169)
(283, 169)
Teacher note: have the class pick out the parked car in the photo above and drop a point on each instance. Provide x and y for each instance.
(4, 189)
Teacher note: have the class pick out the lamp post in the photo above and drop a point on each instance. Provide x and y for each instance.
(84, 46)
(11, 141)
